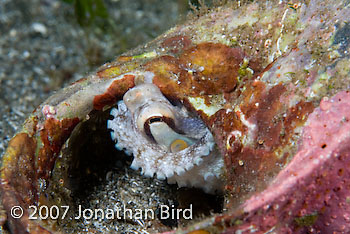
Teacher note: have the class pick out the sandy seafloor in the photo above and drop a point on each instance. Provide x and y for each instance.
(42, 49)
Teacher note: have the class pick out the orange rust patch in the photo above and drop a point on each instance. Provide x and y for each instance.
(248, 166)
(223, 124)
(124, 58)
(12, 197)
(169, 77)
(268, 121)
(55, 132)
(109, 72)
(213, 68)
(202, 70)
(249, 170)
(53, 136)
(19, 167)
(252, 95)
(114, 92)
(257, 160)
(176, 43)
(296, 116)
(264, 109)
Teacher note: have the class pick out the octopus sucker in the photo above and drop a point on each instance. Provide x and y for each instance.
(166, 140)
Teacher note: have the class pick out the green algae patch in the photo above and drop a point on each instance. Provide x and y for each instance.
(306, 220)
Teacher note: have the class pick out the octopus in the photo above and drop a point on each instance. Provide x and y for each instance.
(166, 140)
(250, 102)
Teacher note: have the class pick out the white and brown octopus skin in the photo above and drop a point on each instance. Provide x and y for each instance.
(166, 140)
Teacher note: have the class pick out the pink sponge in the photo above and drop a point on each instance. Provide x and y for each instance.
(312, 194)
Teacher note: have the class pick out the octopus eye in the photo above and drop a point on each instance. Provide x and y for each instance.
(178, 145)
(162, 131)
(166, 140)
